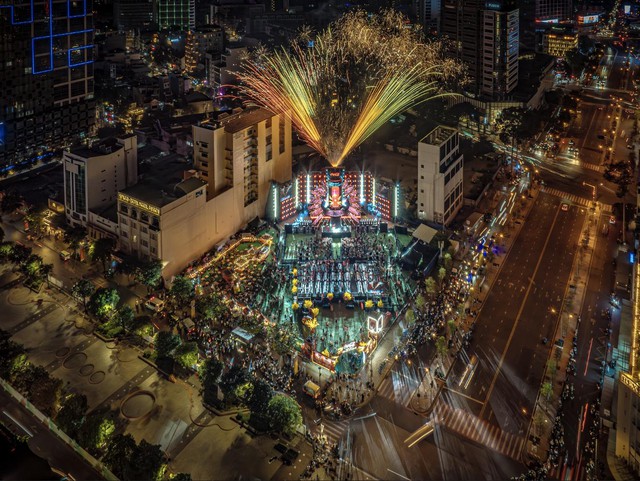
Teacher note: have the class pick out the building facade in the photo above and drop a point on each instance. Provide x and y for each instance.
(176, 14)
(208, 38)
(46, 73)
(485, 36)
(236, 157)
(440, 164)
(93, 176)
(558, 44)
(134, 14)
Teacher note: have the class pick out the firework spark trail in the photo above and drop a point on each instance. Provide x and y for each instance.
(361, 72)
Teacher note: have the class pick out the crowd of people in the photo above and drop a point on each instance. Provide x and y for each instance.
(308, 249)
(320, 277)
(366, 246)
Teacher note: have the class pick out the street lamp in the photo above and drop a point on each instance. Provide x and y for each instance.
(593, 189)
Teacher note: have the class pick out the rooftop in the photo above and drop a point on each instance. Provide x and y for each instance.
(159, 181)
(98, 149)
(439, 135)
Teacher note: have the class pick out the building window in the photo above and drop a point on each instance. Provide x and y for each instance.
(144, 243)
(125, 234)
(153, 236)
(144, 230)
(123, 209)
(153, 250)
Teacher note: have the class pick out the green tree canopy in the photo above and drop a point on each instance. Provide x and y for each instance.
(441, 346)
(149, 274)
(101, 251)
(166, 343)
(126, 317)
(233, 378)
(284, 414)
(104, 302)
(182, 289)
(82, 290)
(210, 373)
(260, 396)
(430, 286)
(187, 354)
(72, 414)
(120, 455)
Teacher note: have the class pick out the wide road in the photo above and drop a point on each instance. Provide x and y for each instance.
(43, 442)
(592, 340)
(520, 310)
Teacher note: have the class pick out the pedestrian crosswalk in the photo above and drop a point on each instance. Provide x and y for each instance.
(606, 208)
(569, 197)
(332, 430)
(597, 168)
(478, 430)
(398, 387)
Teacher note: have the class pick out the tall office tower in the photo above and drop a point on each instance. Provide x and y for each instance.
(46, 74)
(179, 14)
(500, 48)
(553, 11)
(132, 14)
(428, 13)
(485, 36)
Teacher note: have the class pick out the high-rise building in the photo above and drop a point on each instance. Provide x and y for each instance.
(93, 176)
(500, 49)
(176, 14)
(428, 13)
(46, 74)
(440, 165)
(132, 14)
(553, 11)
(485, 36)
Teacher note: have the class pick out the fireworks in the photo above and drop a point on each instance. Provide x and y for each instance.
(340, 86)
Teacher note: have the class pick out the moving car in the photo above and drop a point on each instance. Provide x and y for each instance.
(565, 207)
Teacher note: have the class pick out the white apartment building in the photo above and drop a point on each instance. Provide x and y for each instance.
(440, 165)
(176, 216)
(93, 176)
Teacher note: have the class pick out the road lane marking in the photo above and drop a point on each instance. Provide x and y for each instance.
(517, 320)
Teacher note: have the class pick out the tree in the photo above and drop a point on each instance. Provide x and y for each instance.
(447, 261)
(35, 220)
(260, 397)
(210, 373)
(41, 389)
(442, 273)
(126, 316)
(210, 307)
(452, 327)
(11, 200)
(149, 274)
(9, 352)
(148, 463)
(103, 303)
(182, 289)
(420, 301)
(82, 290)
(166, 343)
(102, 250)
(181, 477)
(546, 390)
(409, 316)
(72, 414)
(96, 431)
(187, 354)
(441, 346)
(284, 414)
(430, 286)
(120, 455)
(19, 253)
(74, 236)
